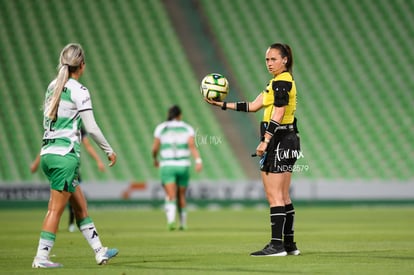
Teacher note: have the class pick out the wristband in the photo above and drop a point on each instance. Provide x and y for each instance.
(272, 127)
(198, 161)
(242, 106)
(266, 141)
(224, 107)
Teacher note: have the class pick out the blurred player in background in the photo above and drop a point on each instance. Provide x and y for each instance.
(174, 143)
(91, 151)
(68, 105)
(279, 146)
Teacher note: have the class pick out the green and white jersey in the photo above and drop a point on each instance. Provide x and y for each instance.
(63, 134)
(174, 136)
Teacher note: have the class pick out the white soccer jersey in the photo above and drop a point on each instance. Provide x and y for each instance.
(63, 135)
(174, 135)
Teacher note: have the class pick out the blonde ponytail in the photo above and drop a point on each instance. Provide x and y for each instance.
(53, 104)
(71, 57)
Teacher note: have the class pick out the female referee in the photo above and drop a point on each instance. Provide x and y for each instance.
(279, 146)
(67, 105)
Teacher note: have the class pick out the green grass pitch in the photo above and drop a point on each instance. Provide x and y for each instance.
(333, 240)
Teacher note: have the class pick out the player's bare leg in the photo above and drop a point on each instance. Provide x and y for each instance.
(170, 204)
(182, 203)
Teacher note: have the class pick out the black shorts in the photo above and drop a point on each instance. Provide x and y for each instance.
(282, 152)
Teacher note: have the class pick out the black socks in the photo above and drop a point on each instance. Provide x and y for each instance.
(277, 221)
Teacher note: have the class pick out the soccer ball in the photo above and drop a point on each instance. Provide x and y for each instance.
(214, 86)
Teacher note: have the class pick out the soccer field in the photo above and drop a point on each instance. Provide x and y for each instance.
(333, 240)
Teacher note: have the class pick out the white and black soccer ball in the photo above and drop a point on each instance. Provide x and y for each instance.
(214, 86)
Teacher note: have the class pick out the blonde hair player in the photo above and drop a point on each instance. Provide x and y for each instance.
(67, 105)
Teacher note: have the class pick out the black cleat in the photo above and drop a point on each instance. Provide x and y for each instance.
(270, 250)
(291, 249)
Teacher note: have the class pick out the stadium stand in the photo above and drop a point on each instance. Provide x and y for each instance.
(353, 70)
(136, 69)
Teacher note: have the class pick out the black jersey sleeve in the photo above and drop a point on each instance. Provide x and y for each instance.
(281, 91)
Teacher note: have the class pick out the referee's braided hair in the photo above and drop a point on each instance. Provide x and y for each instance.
(285, 51)
(174, 112)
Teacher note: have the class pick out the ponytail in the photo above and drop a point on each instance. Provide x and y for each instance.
(289, 64)
(71, 57)
(53, 104)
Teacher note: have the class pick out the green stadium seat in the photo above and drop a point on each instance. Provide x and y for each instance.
(136, 69)
(353, 70)
(353, 66)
